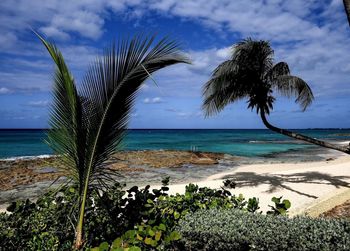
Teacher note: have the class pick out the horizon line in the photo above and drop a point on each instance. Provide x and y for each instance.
(310, 128)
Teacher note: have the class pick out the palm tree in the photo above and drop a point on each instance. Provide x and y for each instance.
(88, 124)
(347, 8)
(251, 74)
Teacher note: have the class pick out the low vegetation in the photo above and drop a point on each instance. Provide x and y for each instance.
(216, 229)
(150, 219)
(117, 218)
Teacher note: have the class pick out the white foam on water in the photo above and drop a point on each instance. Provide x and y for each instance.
(44, 156)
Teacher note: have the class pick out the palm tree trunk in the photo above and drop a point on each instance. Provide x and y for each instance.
(79, 231)
(347, 8)
(303, 137)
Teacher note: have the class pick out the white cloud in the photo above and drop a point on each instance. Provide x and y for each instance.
(155, 100)
(52, 31)
(40, 103)
(312, 36)
(37, 73)
(86, 23)
(15, 80)
(4, 90)
(224, 53)
(185, 114)
(275, 20)
(57, 17)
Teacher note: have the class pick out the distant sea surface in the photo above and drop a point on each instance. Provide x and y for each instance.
(241, 142)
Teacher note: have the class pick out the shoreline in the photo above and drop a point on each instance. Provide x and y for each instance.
(29, 157)
(255, 178)
(307, 184)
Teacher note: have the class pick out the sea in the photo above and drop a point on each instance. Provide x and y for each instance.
(241, 147)
(30, 143)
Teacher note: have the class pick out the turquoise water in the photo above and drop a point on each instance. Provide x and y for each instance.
(16, 143)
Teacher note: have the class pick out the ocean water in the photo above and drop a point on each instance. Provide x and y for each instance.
(241, 142)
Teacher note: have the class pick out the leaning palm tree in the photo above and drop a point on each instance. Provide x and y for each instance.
(347, 9)
(88, 124)
(251, 74)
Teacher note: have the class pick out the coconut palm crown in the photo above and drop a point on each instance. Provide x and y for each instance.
(251, 74)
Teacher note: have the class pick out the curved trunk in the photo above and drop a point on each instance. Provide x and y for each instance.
(303, 137)
(347, 8)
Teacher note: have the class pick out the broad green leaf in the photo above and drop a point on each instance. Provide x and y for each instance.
(176, 215)
(151, 232)
(162, 227)
(174, 236)
(158, 235)
(139, 237)
(117, 243)
(104, 246)
(287, 203)
(119, 249)
(134, 248)
(148, 241)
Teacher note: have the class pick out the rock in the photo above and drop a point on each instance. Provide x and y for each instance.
(21, 179)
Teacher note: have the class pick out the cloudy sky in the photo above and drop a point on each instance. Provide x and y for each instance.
(312, 36)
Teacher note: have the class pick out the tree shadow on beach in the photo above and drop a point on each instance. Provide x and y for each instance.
(277, 181)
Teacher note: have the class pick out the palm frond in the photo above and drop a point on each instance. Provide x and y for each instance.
(254, 57)
(88, 127)
(279, 69)
(111, 85)
(224, 87)
(293, 86)
(67, 135)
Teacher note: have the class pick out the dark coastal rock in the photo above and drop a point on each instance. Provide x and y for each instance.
(168, 158)
(21, 179)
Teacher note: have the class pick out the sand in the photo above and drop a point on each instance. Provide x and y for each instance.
(312, 187)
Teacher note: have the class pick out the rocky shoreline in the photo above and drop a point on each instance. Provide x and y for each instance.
(21, 177)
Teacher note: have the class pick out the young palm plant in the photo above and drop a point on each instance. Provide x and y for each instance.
(251, 74)
(88, 125)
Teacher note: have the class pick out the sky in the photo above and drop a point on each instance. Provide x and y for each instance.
(312, 36)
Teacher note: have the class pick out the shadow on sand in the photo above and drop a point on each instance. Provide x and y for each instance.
(278, 181)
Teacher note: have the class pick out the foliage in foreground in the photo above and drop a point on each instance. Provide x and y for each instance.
(135, 218)
(234, 230)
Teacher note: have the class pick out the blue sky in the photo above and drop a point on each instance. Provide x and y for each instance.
(312, 36)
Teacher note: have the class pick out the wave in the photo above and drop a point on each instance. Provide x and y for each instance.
(293, 142)
(44, 156)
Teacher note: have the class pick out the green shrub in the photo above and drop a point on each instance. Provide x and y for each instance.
(280, 207)
(218, 229)
(159, 213)
(43, 225)
(135, 217)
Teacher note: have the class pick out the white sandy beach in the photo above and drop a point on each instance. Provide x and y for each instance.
(324, 183)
